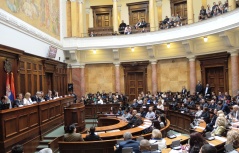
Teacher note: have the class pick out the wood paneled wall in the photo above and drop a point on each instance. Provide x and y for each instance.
(32, 73)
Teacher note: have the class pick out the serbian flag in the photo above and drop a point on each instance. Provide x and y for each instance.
(13, 87)
(8, 89)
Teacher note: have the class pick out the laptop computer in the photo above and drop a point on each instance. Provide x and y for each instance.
(171, 135)
(5, 106)
(176, 145)
(229, 148)
(209, 136)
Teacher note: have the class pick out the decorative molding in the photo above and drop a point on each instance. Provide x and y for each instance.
(73, 56)
(116, 54)
(188, 46)
(233, 52)
(116, 63)
(226, 39)
(119, 7)
(153, 61)
(159, 3)
(191, 58)
(21, 26)
(87, 10)
(81, 1)
(151, 52)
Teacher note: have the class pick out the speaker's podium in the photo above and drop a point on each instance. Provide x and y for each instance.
(75, 113)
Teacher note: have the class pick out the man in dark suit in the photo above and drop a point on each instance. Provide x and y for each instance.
(210, 125)
(138, 121)
(128, 142)
(37, 98)
(207, 91)
(92, 136)
(234, 115)
(3, 102)
(18, 102)
(202, 13)
(49, 96)
(184, 91)
(199, 88)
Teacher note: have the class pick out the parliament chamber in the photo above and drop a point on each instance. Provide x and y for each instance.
(116, 67)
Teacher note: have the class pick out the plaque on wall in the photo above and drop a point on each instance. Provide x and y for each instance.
(7, 66)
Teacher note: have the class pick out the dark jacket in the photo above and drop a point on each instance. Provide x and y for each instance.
(128, 143)
(92, 137)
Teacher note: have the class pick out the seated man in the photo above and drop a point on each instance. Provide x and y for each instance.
(150, 115)
(206, 148)
(49, 96)
(143, 24)
(234, 115)
(4, 103)
(138, 121)
(71, 135)
(128, 142)
(17, 149)
(145, 146)
(122, 27)
(92, 136)
(18, 102)
(37, 97)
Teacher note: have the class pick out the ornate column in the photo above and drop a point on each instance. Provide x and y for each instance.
(82, 80)
(231, 5)
(69, 73)
(76, 79)
(192, 68)
(115, 15)
(74, 19)
(117, 77)
(81, 18)
(190, 11)
(234, 72)
(154, 77)
(152, 15)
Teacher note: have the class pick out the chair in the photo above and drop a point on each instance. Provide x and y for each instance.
(118, 141)
(127, 150)
(139, 138)
(154, 147)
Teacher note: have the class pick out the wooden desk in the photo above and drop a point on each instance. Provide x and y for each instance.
(91, 110)
(27, 125)
(109, 120)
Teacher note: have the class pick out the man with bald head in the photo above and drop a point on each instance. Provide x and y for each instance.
(145, 146)
(150, 115)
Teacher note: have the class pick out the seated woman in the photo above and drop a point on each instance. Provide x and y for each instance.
(183, 108)
(92, 136)
(196, 141)
(72, 136)
(220, 126)
(233, 138)
(199, 112)
(27, 100)
(157, 139)
(160, 105)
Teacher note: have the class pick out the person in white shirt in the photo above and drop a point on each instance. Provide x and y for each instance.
(127, 30)
(27, 99)
(160, 105)
(139, 101)
(157, 139)
(100, 100)
(150, 115)
(199, 112)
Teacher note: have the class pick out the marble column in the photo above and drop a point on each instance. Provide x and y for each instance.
(231, 5)
(152, 15)
(117, 77)
(69, 74)
(192, 68)
(82, 80)
(81, 18)
(190, 11)
(154, 77)
(76, 73)
(115, 15)
(234, 68)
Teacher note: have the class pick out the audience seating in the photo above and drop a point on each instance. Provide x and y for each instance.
(127, 150)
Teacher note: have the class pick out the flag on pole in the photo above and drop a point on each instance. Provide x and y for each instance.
(8, 89)
(13, 87)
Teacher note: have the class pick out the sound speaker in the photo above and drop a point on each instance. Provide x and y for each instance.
(70, 87)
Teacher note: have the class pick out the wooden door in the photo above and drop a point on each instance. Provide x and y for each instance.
(181, 9)
(137, 15)
(136, 84)
(215, 78)
(102, 20)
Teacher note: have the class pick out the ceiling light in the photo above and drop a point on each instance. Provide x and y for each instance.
(132, 49)
(205, 39)
(168, 45)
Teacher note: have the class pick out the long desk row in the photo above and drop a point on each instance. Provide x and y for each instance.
(27, 125)
(92, 110)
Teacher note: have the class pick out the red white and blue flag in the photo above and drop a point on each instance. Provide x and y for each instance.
(8, 89)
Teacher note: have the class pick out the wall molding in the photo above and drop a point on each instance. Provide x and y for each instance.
(21, 26)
